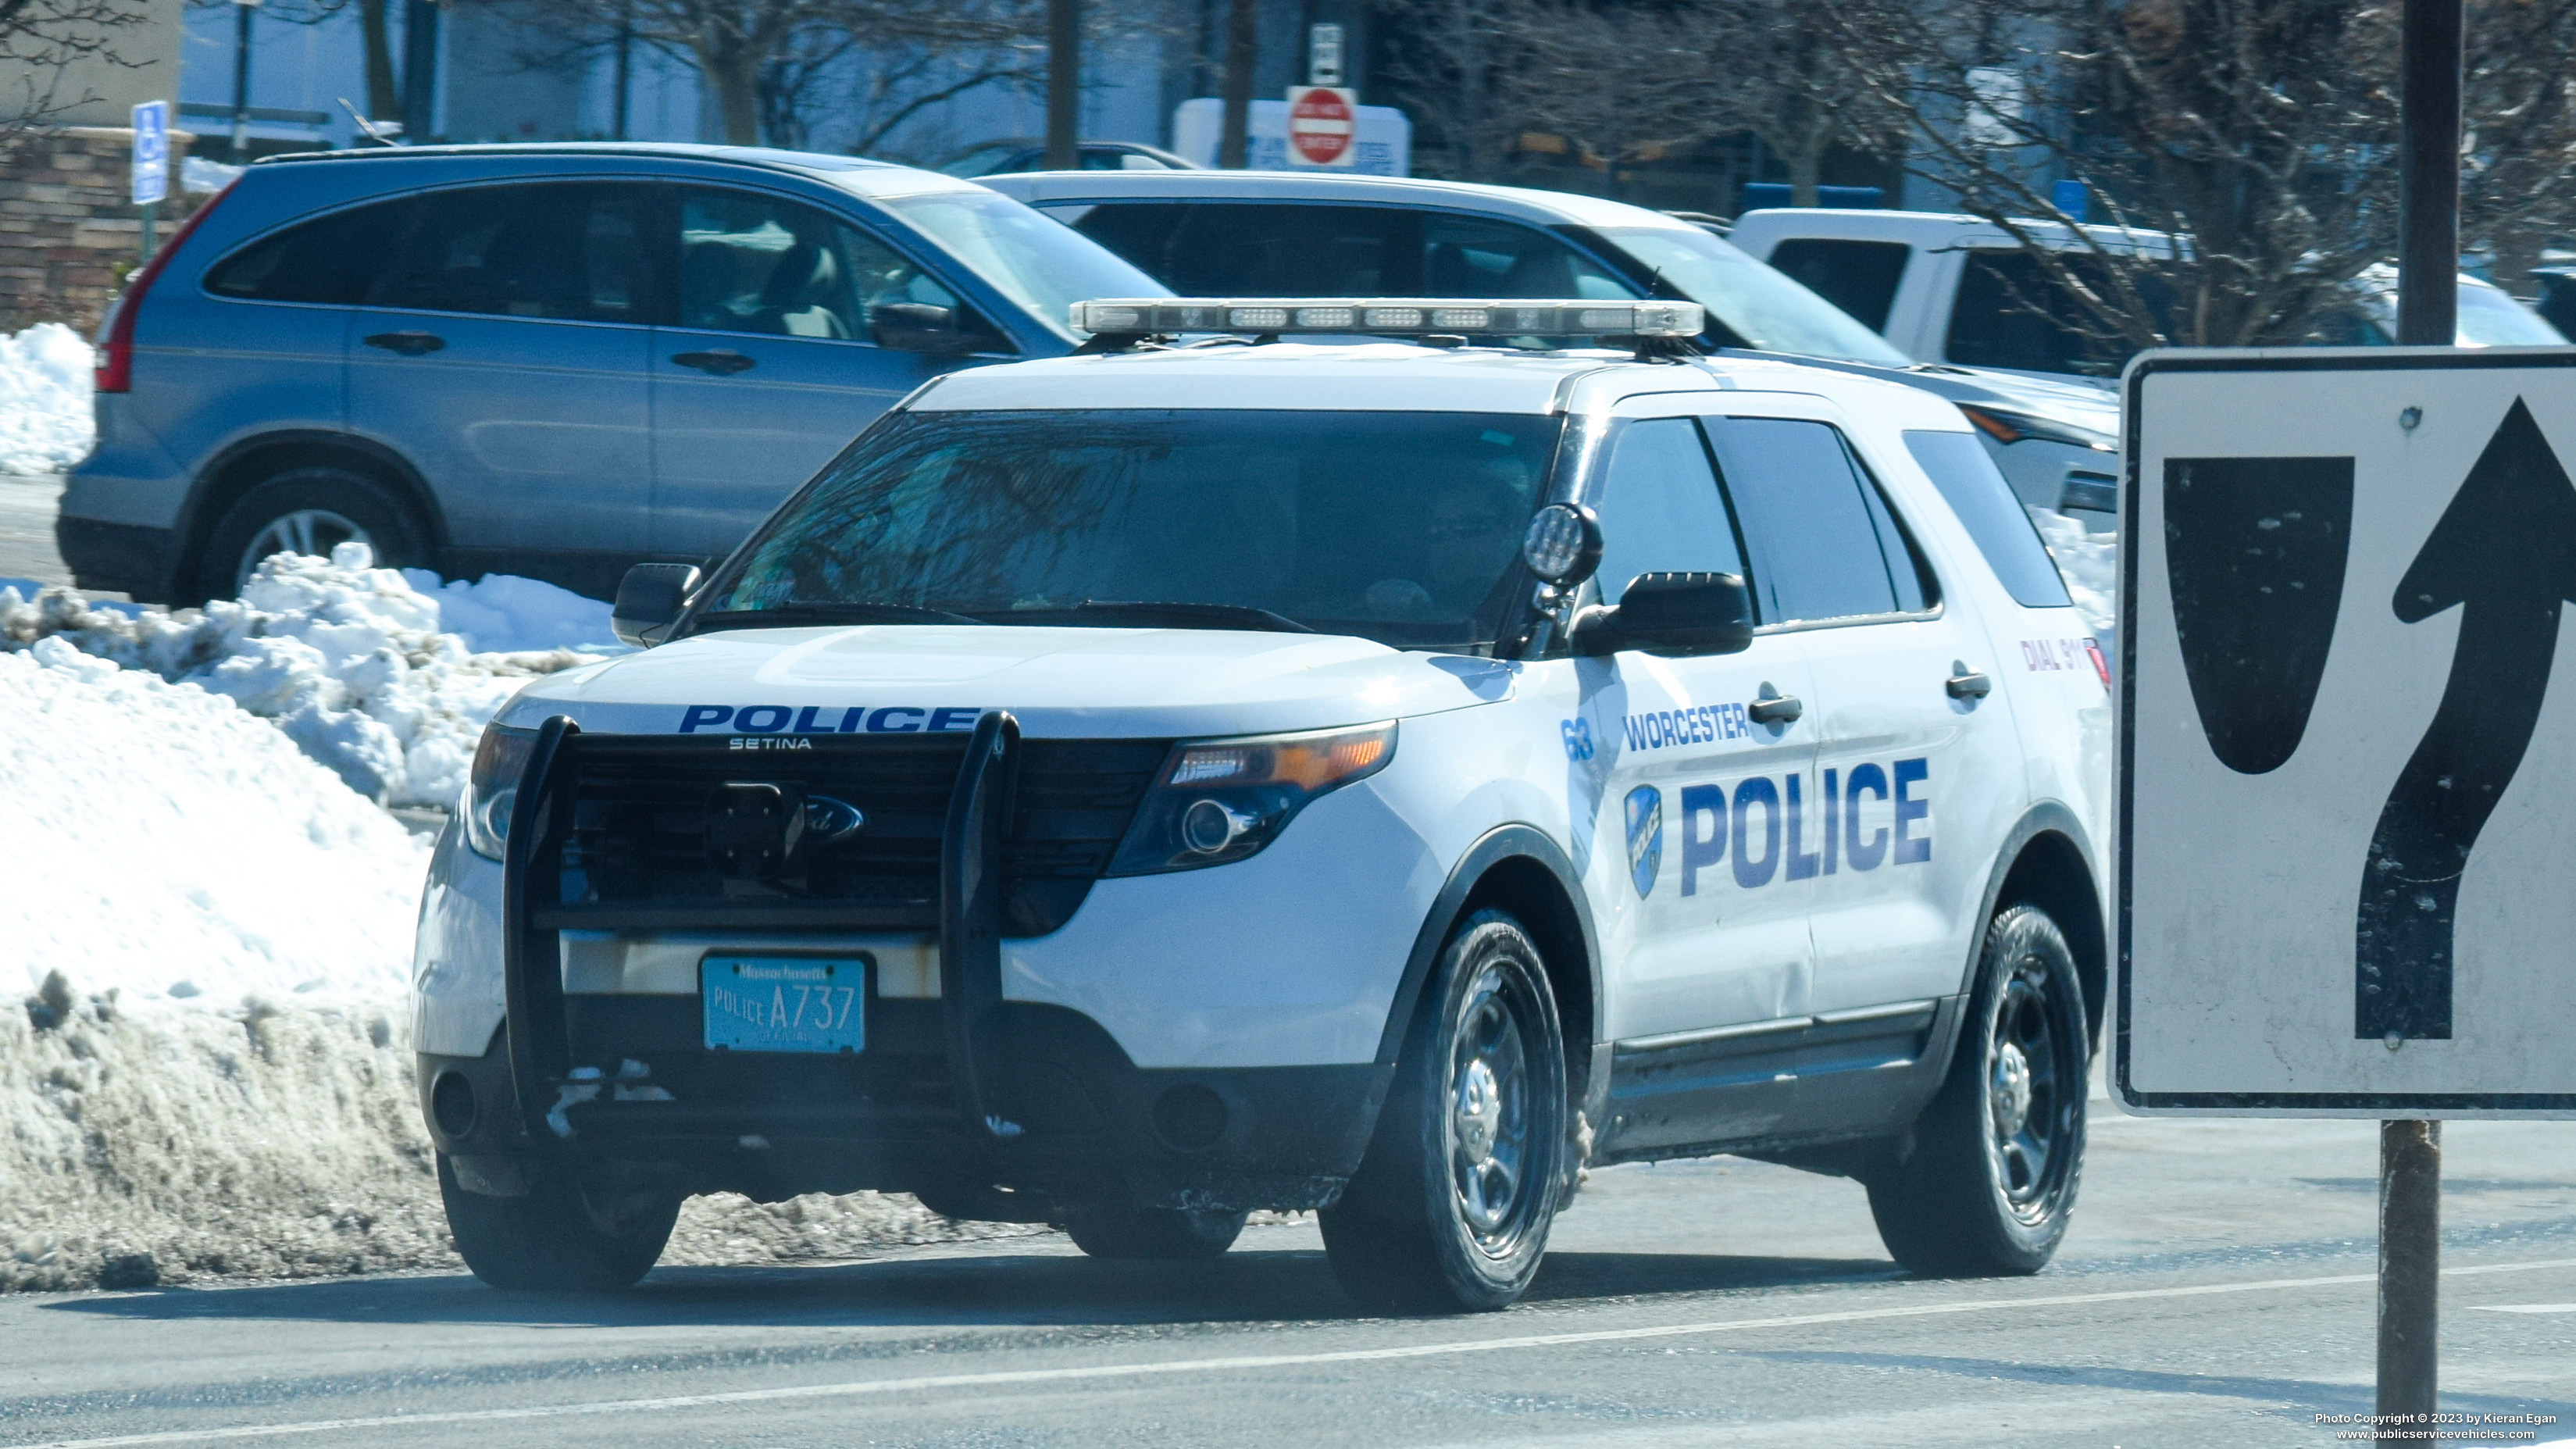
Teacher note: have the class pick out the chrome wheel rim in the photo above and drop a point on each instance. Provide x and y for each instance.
(1489, 1114)
(311, 531)
(2025, 1092)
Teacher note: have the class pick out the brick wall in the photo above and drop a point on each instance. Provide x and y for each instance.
(68, 235)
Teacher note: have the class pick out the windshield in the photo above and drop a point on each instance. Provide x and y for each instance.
(1756, 303)
(1399, 527)
(1043, 265)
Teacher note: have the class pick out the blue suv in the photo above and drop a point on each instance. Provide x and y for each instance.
(551, 360)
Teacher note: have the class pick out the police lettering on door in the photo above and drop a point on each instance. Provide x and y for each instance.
(1789, 828)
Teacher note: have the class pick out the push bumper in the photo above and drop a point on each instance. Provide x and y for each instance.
(954, 1097)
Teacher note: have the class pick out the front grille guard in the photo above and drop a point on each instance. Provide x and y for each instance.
(972, 888)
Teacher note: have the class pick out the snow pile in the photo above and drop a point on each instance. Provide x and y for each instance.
(162, 1145)
(44, 399)
(2091, 564)
(201, 177)
(204, 937)
(502, 613)
(164, 842)
(348, 659)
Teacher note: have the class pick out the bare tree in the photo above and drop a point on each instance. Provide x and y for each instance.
(2244, 150)
(1462, 66)
(762, 59)
(42, 42)
(1774, 71)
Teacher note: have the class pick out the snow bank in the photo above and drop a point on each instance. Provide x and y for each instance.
(44, 399)
(157, 1146)
(204, 1072)
(502, 613)
(165, 844)
(351, 661)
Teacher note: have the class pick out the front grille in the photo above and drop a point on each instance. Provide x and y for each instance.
(636, 854)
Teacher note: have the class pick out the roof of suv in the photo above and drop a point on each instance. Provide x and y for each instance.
(1399, 377)
(850, 173)
(1543, 208)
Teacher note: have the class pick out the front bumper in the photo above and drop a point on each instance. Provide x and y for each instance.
(1090, 1125)
(956, 1093)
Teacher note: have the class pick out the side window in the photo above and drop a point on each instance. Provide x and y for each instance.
(330, 259)
(1858, 276)
(768, 265)
(577, 251)
(1466, 256)
(1228, 250)
(1958, 466)
(1660, 507)
(1140, 232)
(2010, 312)
(1824, 544)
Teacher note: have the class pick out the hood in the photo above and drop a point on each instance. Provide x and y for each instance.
(1062, 683)
(2076, 401)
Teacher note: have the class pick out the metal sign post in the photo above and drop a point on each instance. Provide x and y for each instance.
(151, 169)
(2428, 291)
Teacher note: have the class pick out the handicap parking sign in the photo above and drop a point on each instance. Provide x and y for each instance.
(151, 152)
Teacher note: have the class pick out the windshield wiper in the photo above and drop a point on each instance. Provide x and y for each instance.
(788, 615)
(1218, 616)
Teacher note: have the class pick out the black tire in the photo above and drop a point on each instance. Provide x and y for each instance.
(557, 1239)
(1158, 1234)
(1988, 1183)
(1450, 1208)
(336, 505)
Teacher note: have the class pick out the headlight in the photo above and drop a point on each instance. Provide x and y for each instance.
(2009, 427)
(1222, 800)
(493, 787)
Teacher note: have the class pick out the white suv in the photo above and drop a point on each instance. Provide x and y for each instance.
(1134, 789)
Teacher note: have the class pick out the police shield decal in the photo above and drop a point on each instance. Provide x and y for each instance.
(1645, 837)
(2255, 549)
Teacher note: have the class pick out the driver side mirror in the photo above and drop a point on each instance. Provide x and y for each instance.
(1671, 613)
(649, 600)
(924, 327)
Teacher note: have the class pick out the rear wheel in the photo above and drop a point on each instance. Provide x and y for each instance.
(560, 1237)
(308, 511)
(1450, 1209)
(1154, 1233)
(1988, 1184)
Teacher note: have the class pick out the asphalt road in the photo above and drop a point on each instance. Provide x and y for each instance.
(27, 529)
(2216, 1290)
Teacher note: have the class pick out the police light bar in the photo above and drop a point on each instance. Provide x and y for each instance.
(1392, 316)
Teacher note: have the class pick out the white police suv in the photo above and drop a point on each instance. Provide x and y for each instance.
(1133, 789)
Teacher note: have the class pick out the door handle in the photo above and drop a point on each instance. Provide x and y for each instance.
(1968, 684)
(412, 343)
(1775, 708)
(721, 361)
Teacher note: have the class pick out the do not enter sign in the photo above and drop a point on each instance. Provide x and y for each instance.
(1320, 124)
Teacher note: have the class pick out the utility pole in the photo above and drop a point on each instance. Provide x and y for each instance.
(2428, 303)
(1242, 33)
(241, 79)
(625, 69)
(420, 71)
(1064, 85)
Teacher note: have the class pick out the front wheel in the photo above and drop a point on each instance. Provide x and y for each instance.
(1451, 1207)
(1988, 1183)
(560, 1237)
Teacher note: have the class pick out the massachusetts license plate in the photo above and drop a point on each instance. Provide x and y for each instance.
(784, 1003)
